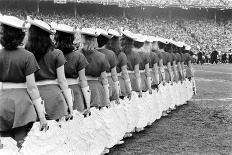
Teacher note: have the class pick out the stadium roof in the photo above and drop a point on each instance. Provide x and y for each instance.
(184, 4)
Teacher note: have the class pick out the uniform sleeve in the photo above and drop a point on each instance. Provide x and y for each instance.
(147, 59)
(82, 62)
(113, 61)
(174, 57)
(169, 57)
(105, 64)
(156, 58)
(59, 59)
(136, 58)
(122, 59)
(188, 57)
(31, 65)
(159, 55)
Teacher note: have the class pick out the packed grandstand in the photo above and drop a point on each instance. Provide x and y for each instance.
(204, 25)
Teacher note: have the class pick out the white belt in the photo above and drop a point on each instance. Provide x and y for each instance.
(108, 74)
(92, 78)
(11, 85)
(128, 71)
(46, 82)
(141, 71)
(72, 81)
(119, 74)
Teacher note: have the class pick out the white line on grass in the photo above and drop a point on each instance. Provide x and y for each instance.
(212, 99)
(211, 80)
(214, 72)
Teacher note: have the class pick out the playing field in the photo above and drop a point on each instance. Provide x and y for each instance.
(203, 126)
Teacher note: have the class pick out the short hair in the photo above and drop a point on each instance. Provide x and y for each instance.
(138, 44)
(161, 45)
(11, 37)
(39, 42)
(64, 41)
(102, 40)
(114, 45)
(126, 43)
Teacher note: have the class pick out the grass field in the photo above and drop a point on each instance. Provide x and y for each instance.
(203, 126)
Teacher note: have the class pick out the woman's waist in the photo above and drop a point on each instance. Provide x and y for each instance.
(12, 85)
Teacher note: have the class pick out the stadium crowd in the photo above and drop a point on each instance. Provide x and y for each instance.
(201, 34)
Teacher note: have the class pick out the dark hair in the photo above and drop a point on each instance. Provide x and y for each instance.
(64, 41)
(11, 37)
(39, 42)
(102, 40)
(127, 43)
(138, 44)
(161, 45)
(114, 45)
(168, 48)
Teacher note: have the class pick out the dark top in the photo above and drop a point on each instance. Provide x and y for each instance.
(199, 55)
(186, 58)
(110, 56)
(76, 61)
(166, 58)
(173, 55)
(16, 65)
(154, 59)
(52, 60)
(132, 59)
(97, 63)
(178, 57)
(121, 61)
(144, 59)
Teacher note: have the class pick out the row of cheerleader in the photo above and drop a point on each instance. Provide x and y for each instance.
(59, 98)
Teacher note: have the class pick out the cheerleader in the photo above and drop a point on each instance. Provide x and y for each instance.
(20, 101)
(74, 68)
(133, 60)
(157, 47)
(178, 61)
(187, 62)
(102, 40)
(96, 69)
(154, 63)
(142, 49)
(114, 45)
(171, 59)
(97, 80)
(50, 78)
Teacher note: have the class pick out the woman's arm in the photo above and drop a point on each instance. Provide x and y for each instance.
(148, 77)
(170, 71)
(114, 76)
(162, 71)
(180, 70)
(36, 100)
(85, 87)
(64, 87)
(106, 86)
(183, 70)
(138, 79)
(126, 78)
(175, 69)
(155, 69)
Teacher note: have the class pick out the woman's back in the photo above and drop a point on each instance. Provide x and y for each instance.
(18, 62)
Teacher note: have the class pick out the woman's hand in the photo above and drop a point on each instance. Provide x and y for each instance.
(43, 124)
(140, 94)
(70, 115)
(150, 91)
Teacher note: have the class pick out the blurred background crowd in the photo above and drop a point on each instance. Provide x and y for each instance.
(204, 30)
